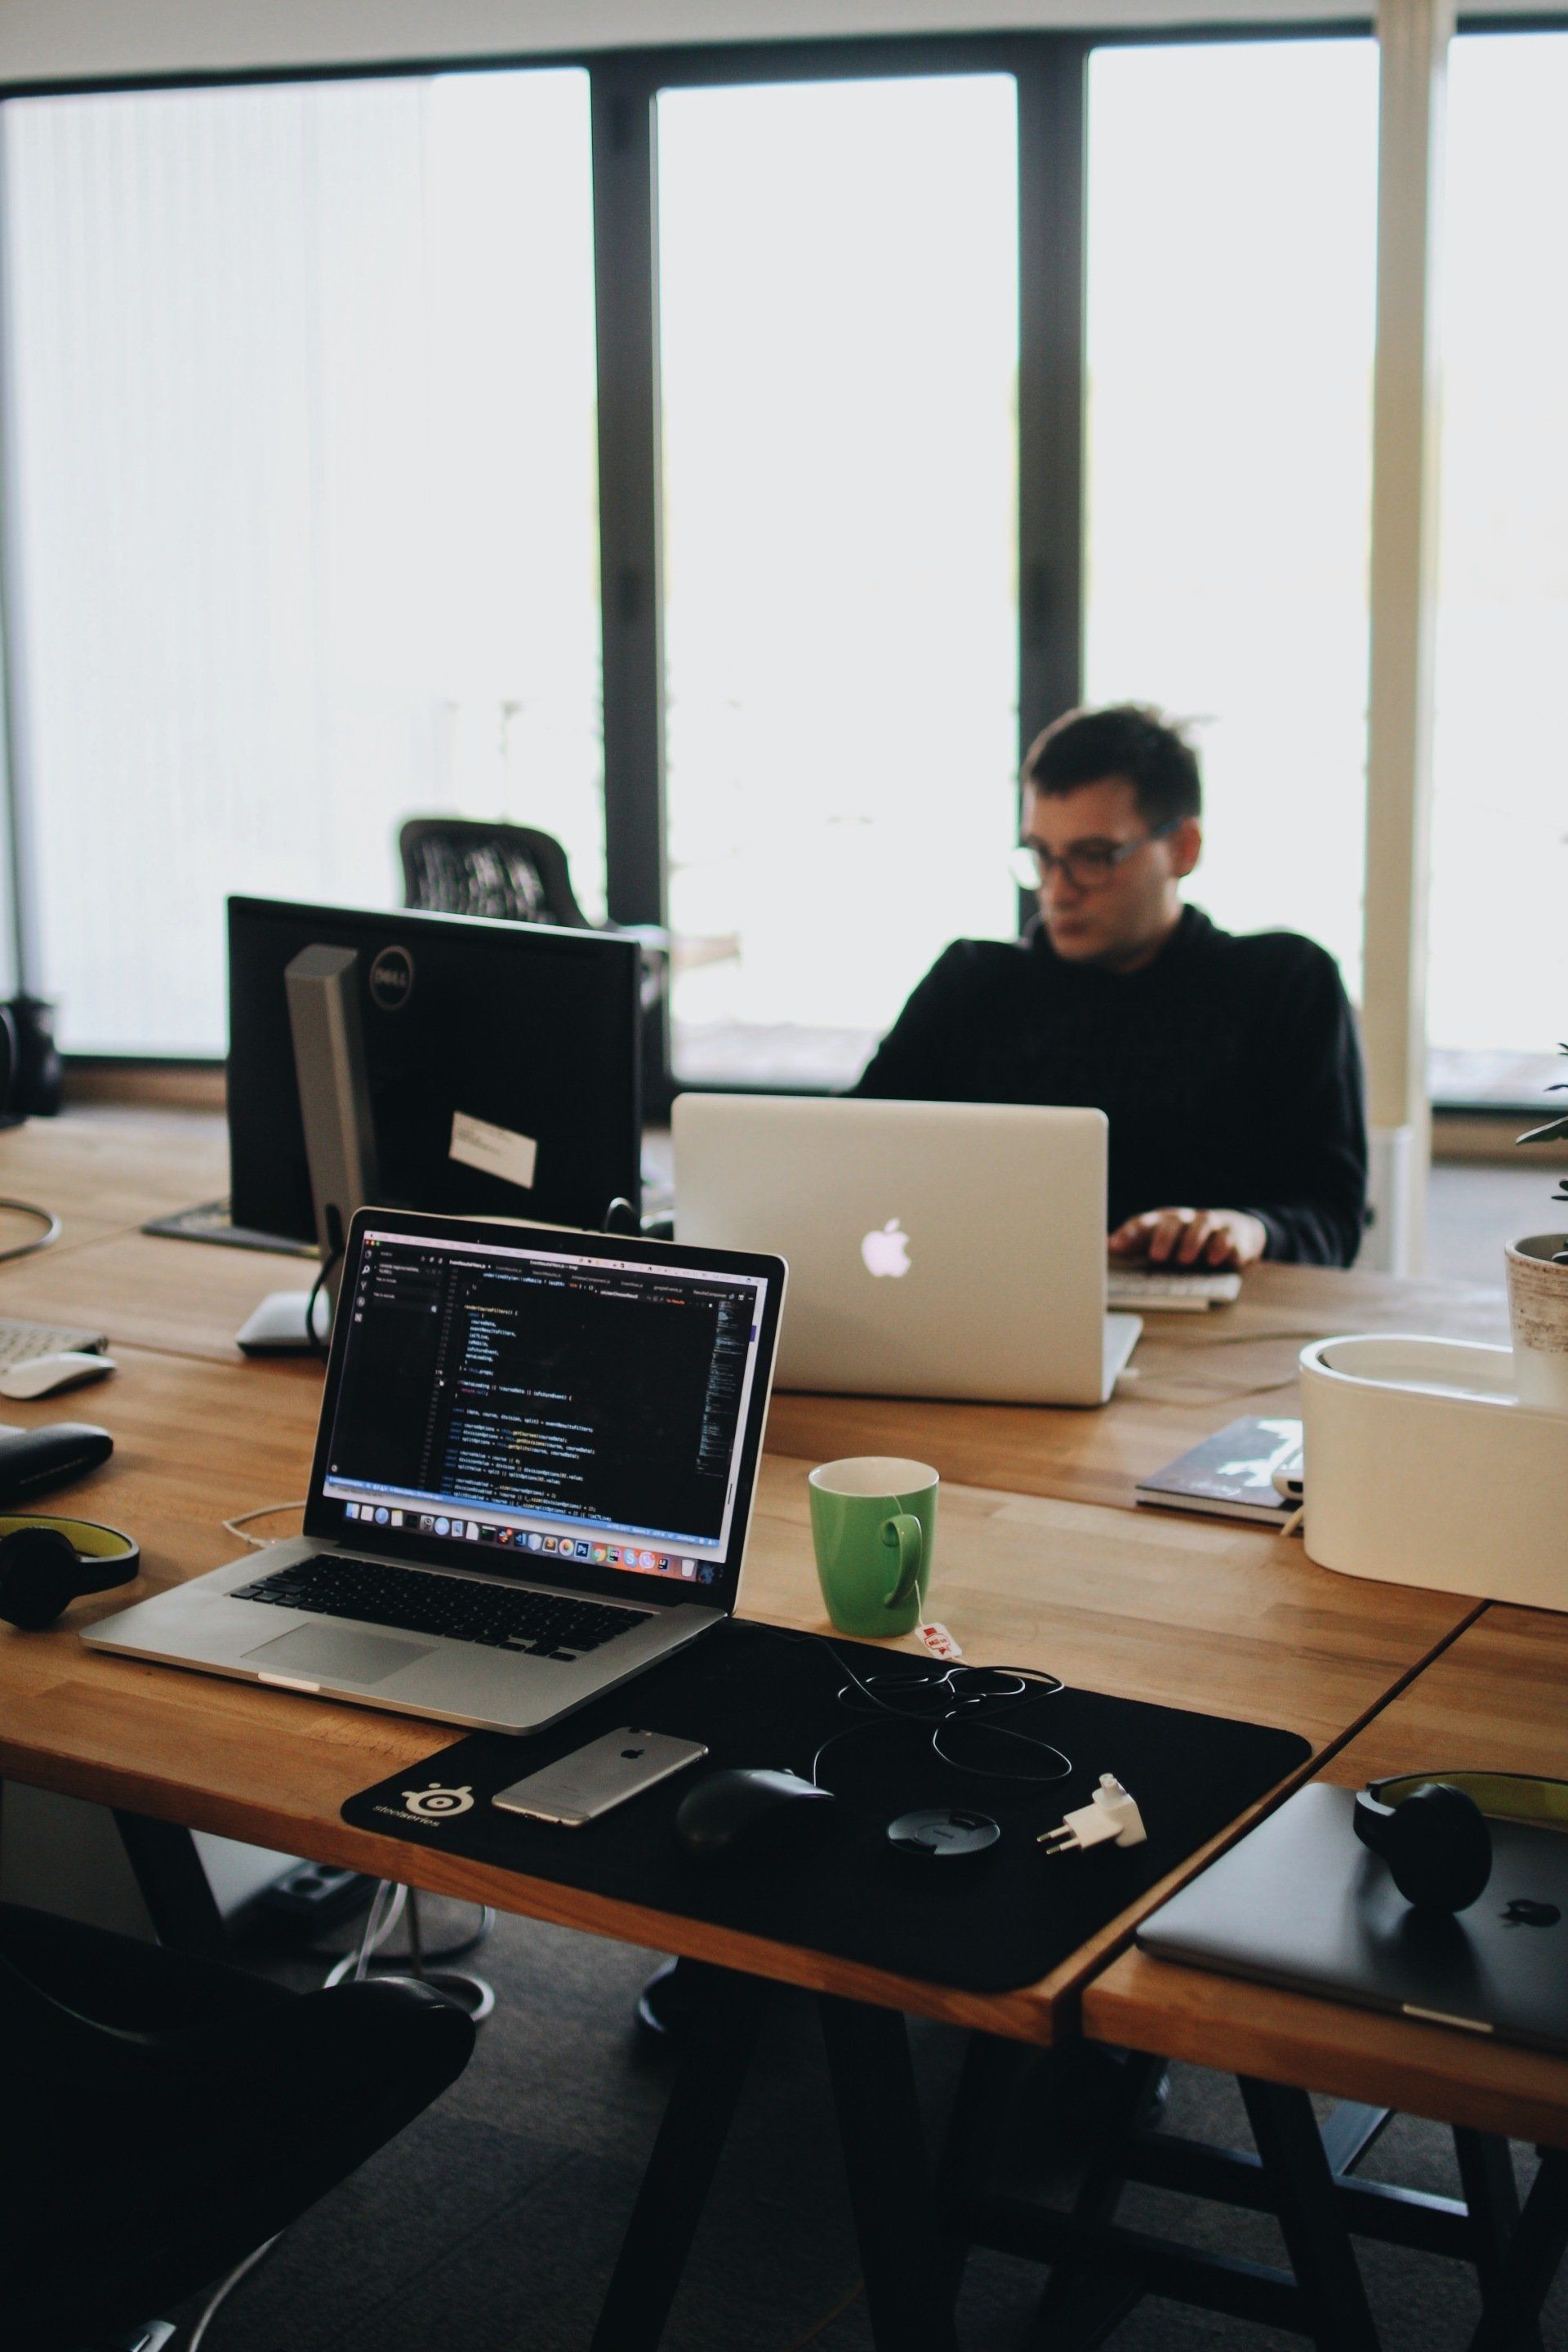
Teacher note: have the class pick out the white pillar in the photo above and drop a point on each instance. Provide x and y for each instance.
(1413, 45)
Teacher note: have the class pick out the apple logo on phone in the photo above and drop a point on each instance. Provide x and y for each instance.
(886, 1251)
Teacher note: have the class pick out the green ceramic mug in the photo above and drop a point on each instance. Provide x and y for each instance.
(873, 1523)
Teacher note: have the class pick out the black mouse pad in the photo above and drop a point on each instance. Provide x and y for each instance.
(755, 1696)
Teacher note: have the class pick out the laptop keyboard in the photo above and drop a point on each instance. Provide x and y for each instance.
(496, 1616)
(20, 1342)
(1166, 1291)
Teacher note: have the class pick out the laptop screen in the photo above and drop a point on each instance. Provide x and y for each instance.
(550, 1405)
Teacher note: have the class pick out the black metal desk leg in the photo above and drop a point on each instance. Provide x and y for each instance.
(1083, 2301)
(1534, 2251)
(991, 2072)
(726, 2021)
(1316, 2238)
(1492, 2194)
(884, 2148)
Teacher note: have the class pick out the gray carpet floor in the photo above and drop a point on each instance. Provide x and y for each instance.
(491, 2225)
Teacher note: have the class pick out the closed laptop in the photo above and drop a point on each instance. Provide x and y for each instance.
(1300, 1902)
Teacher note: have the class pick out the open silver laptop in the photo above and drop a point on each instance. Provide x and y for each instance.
(534, 1476)
(935, 1249)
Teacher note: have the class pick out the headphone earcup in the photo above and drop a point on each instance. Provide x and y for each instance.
(40, 1574)
(1438, 1848)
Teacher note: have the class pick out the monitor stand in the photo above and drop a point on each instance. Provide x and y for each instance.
(340, 1148)
(277, 1327)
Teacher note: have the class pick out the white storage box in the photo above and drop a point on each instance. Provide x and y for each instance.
(1421, 1466)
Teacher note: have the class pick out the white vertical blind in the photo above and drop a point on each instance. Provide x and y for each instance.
(839, 287)
(1499, 981)
(1231, 246)
(303, 445)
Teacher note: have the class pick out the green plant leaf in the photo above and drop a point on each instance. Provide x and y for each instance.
(1547, 1134)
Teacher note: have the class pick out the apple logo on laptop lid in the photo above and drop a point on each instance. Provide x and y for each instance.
(886, 1249)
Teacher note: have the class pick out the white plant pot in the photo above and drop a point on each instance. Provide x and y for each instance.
(1423, 1467)
(1538, 1312)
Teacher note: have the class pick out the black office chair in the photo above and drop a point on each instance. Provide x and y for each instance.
(162, 2118)
(457, 865)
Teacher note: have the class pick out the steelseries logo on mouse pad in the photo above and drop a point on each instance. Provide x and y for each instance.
(437, 1803)
(391, 979)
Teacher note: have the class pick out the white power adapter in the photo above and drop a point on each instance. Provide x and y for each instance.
(1111, 1817)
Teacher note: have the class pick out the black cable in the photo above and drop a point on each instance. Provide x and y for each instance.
(46, 1218)
(318, 1346)
(951, 1700)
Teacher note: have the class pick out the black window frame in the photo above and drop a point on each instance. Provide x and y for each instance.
(1051, 71)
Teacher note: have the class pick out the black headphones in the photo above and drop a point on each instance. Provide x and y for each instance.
(47, 1563)
(30, 1060)
(1432, 1831)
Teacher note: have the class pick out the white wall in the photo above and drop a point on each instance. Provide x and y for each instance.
(46, 40)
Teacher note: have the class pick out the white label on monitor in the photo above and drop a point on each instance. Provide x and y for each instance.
(496, 1151)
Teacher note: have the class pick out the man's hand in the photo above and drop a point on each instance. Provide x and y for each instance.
(1224, 1238)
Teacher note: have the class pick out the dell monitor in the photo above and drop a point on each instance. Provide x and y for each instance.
(502, 1064)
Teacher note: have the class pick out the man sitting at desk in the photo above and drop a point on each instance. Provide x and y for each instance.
(1228, 1066)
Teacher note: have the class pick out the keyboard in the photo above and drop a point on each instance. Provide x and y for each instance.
(21, 1342)
(496, 1616)
(1165, 1294)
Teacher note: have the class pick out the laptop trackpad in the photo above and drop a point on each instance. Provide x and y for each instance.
(335, 1653)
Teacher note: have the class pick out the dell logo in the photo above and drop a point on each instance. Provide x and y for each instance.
(391, 979)
(886, 1251)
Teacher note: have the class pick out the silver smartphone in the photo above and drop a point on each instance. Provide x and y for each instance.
(579, 1787)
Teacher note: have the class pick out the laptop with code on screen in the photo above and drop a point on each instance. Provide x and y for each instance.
(534, 1476)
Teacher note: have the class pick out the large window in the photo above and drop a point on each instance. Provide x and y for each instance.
(933, 385)
(302, 435)
(1498, 986)
(838, 303)
(1231, 246)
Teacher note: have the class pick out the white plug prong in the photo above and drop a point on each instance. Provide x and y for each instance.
(1112, 1816)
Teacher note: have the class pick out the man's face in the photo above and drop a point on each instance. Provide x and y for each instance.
(1121, 915)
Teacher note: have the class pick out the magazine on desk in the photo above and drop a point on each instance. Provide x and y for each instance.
(1231, 1473)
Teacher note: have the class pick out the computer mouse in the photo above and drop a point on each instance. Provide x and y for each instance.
(746, 1814)
(39, 1376)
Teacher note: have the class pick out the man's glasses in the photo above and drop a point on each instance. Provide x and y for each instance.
(1087, 865)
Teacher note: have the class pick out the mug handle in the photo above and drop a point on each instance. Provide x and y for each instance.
(904, 1529)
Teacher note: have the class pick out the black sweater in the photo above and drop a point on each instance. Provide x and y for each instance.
(1228, 1068)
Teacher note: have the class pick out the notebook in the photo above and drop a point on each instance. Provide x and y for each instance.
(1231, 1474)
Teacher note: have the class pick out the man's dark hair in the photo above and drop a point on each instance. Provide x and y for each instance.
(1126, 739)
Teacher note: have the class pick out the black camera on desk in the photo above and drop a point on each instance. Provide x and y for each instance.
(30, 1060)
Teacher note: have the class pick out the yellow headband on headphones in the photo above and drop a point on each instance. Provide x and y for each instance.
(85, 1536)
(1528, 1797)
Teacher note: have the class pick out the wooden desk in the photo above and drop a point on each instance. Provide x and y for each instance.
(104, 1169)
(1183, 1611)
(1497, 1699)
(1494, 1698)
(1041, 1561)
(1189, 1375)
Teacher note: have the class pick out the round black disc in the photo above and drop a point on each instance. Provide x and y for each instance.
(942, 1833)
